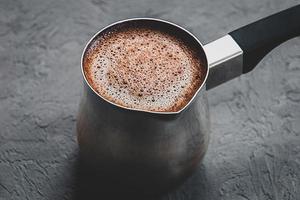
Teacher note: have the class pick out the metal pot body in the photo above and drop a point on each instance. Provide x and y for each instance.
(140, 151)
(136, 150)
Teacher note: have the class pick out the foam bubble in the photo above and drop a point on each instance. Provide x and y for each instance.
(144, 69)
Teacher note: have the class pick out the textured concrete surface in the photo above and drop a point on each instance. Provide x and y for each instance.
(254, 151)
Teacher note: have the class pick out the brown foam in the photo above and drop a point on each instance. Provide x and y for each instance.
(143, 68)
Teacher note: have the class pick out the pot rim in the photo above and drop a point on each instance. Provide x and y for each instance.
(150, 19)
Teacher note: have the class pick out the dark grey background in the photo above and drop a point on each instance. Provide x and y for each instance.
(254, 152)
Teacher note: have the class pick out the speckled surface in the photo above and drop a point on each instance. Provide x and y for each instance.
(254, 152)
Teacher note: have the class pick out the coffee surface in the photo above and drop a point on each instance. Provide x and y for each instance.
(143, 68)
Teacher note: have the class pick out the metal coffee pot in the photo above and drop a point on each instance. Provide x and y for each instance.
(152, 152)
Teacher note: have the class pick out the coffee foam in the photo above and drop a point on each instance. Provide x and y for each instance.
(143, 68)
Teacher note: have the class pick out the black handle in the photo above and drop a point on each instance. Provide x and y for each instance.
(259, 38)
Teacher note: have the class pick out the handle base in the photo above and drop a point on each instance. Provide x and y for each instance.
(225, 61)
